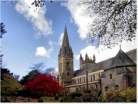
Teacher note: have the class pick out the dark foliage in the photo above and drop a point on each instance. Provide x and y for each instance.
(5, 71)
(2, 29)
(75, 94)
(31, 75)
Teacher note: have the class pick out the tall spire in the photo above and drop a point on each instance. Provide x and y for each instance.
(65, 49)
(65, 39)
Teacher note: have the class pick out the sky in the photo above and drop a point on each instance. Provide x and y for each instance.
(35, 36)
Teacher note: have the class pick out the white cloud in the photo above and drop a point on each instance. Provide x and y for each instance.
(56, 69)
(77, 56)
(43, 52)
(129, 45)
(60, 39)
(90, 50)
(82, 21)
(51, 43)
(42, 25)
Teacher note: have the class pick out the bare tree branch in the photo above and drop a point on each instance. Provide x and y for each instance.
(116, 20)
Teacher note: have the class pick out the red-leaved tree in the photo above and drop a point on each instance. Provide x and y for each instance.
(44, 85)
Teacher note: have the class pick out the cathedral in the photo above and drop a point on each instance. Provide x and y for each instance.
(116, 72)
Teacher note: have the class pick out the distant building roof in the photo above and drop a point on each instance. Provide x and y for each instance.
(124, 70)
(121, 59)
(102, 75)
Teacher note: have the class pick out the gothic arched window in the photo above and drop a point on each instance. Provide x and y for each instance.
(68, 73)
(67, 63)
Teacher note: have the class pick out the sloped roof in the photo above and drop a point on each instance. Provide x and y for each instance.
(79, 72)
(106, 64)
(121, 59)
(132, 54)
(124, 70)
(102, 75)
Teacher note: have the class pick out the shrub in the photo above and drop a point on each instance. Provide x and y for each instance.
(129, 94)
(126, 95)
(74, 94)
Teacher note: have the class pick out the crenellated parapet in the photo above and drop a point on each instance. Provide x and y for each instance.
(88, 61)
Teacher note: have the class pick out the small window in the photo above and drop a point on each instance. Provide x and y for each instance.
(68, 74)
(116, 87)
(91, 78)
(67, 63)
(106, 88)
(99, 75)
(94, 77)
(110, 76)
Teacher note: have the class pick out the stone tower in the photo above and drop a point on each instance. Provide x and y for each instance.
(65, 62)
(87, 62)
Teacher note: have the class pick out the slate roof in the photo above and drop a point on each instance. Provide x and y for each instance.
(132, 54)
(106, 64)
(102, 75)
(124, 70)
(121, 59)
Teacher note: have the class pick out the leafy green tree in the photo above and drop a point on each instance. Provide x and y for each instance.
(10, 85)
(116, 20)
